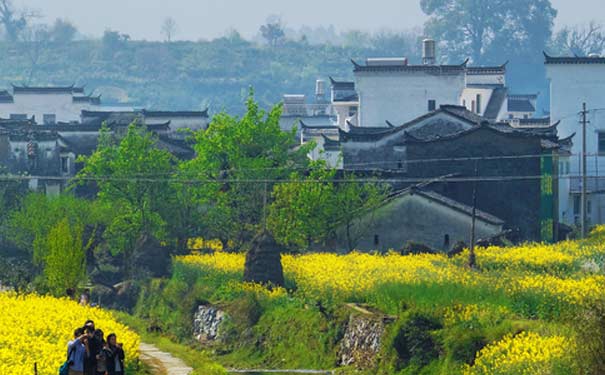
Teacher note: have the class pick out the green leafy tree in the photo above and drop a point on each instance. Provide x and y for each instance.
(311, 209)
(132, 176)
(303, 208)
(65, 263)
(29, 225)
(238, 160)
(354, 198)
(487, 31)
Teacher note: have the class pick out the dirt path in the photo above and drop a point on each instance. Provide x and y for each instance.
(162, 363)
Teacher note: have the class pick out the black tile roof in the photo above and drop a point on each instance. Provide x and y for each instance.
(520, 105)
(87, 99)
(347, 98)
(47, 90)
(552, 60)
(434, 69)
(342, 85)
(6, 97)
(496, 102)
(487, 70)
(203, 113)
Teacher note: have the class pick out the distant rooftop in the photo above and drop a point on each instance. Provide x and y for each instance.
(573, 60)
(47, 89)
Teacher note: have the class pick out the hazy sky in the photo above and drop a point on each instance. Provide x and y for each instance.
(205, 19)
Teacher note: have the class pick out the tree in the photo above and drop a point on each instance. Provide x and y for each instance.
(35, 42)
(63, 31)
(239, 160)
(132, 176)
(273, 31)
(65, 264)
(580, 40)
(355, 199)
(169, 28)
(314, 208)
(303, 208)
(487, 30)
(13, 20)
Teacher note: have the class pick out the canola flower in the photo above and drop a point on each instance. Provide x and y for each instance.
(527, 353)
(36, 329)
(580, 291)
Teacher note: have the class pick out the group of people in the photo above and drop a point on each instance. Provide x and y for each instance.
(90, 353)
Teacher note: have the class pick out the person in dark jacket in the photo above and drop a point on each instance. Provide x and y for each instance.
(115, 358)
(94, 346)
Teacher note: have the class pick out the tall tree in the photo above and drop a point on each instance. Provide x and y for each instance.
(273, 31)
(238, 160)
(486, 31)
(580, 40)
(132, 176)
(65, 264)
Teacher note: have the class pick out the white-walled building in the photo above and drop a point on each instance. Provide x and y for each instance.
(393, 90)
(48, 105)
(573, 81)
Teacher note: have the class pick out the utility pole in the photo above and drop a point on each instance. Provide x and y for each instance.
(472, 258)
(583, 198)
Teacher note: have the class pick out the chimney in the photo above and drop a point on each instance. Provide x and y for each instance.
(429, 54)
(320, 91)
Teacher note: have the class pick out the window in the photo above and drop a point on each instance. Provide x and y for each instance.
(352, 111)
(376, 240)
(601, 142)
(18, 116)
(65, 164)
(49, 119)
(399, 165)
(479, 103)
(510, 117)
(577, 202)
(526, 116)
(432, 105)
(473, 106)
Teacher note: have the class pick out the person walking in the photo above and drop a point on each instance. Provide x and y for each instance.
(77, 352)
(115, 360)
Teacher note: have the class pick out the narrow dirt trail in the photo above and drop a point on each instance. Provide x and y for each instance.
(162, 363)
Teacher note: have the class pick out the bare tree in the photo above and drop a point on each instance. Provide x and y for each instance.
(13, 20)
(273, 31)
(169, 28)
(581, 40)
(35, 41)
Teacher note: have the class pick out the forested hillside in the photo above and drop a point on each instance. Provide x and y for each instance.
(185, 75)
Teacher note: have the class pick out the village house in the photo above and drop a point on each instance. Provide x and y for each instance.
(46, 105)
(574, 81)
(455, 142)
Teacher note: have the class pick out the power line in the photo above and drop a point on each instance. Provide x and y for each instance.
(261, 180)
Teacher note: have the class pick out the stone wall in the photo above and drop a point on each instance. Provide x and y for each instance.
(363, 338)
(206, 323)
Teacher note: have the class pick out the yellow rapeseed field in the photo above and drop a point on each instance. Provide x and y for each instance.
(568, 274)
(36, 329)
(527, 353)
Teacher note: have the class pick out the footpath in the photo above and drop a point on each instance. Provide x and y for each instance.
(162, 363)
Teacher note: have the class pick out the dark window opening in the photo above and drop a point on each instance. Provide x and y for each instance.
(376, 240)
(446, 241)
(65, 164)
(399, 165)
(601, 142)
(432, 105)
(479, 103)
